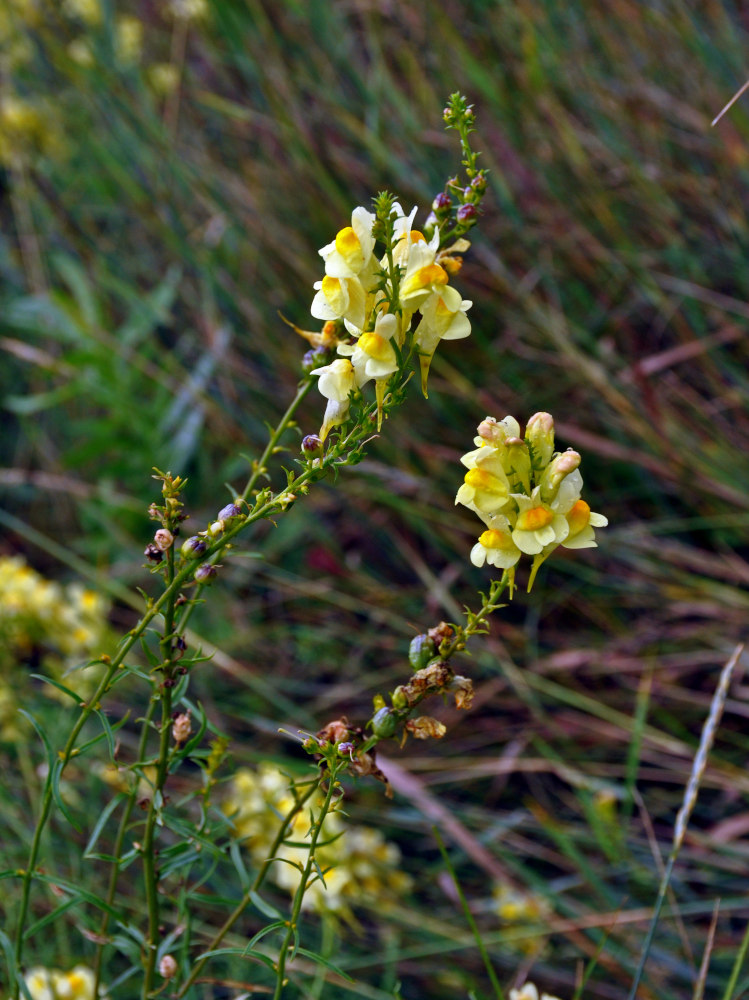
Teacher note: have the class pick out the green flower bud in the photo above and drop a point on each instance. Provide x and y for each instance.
(557, 470)
(518, 461)
(384, 723)
(421, 651)
(539, 436)
(400, 698)
(193, 548)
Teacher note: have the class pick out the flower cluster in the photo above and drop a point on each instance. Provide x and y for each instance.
(390, 304)
(51, 984)
(527, 494)
(359, 865)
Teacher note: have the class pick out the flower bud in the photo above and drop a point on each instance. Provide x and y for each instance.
(163, 539)
(384, 722)
(442, 202)
(230, 512)
(153, 553)
(216, 529)
(467, 213)
(479, 183)
(314, 358)
(421, 651)
(181, 728)
(193, 548)
(167, 966)
(557, 470)
(400, 698)
(345, 749)
(312, 446)
(179, 648)
(539, 436)
(425, 727)
(518, 461)
(206, 573)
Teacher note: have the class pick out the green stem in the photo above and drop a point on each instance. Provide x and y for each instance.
(469, 917)
(117, 850)
(148, 849)
(302, 887)
(247, 897)
(259, 467)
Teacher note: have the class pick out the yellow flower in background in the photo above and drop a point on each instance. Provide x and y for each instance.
(128, 39)
(88, 11)
(530, 992)
(51, 984)
(360, 866)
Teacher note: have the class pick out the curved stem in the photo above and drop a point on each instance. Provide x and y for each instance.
(302, 887)
(259, 467)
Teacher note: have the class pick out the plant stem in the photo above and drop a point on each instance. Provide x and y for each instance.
(148, 849)
(302, 887)
(259, 467)
(247, 897)
(117, 850)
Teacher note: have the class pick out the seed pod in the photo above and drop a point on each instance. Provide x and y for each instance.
(426, 727)
(152, 553)
(421, 651)
(384, 723)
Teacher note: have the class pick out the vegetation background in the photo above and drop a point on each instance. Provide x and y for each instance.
(166, 183)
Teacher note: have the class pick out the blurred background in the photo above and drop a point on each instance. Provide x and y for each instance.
(168, 171)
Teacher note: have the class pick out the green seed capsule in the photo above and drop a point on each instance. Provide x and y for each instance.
(421, 651)
(384, 723)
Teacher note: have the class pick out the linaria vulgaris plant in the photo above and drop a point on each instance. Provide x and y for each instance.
(384, 303)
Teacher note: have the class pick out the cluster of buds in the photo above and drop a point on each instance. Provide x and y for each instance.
(196, 546)
(527, 495)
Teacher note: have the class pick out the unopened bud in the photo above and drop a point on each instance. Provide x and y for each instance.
(539, 436)
(230, 512)
(312, 446)
(425, 728)
(163, 539)
(557, 470)
(152, 553)
(479, 183)
(193, 547)
(205, 573)
(442, 202)
(216, 529)
(467, 213)
(400, 698)
(179, 647)
(519, 461)
(491, 430)
(181, 728)
(314, 358)
(167, 967)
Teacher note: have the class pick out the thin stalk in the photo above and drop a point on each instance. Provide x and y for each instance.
(302, 888)
(247, 897)
(259, 467)
(469, 917)
(150, 874)
(117, 850)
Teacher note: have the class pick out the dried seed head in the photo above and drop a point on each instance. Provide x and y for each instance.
(181, 728)
(167, 966)
(163, 539)
(425, 727)
(152, 553)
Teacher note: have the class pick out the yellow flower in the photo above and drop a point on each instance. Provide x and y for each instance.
(350, 253)
(486, 488)
(496, 546)
(340, 298)
(582, 520)
(443, 317)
